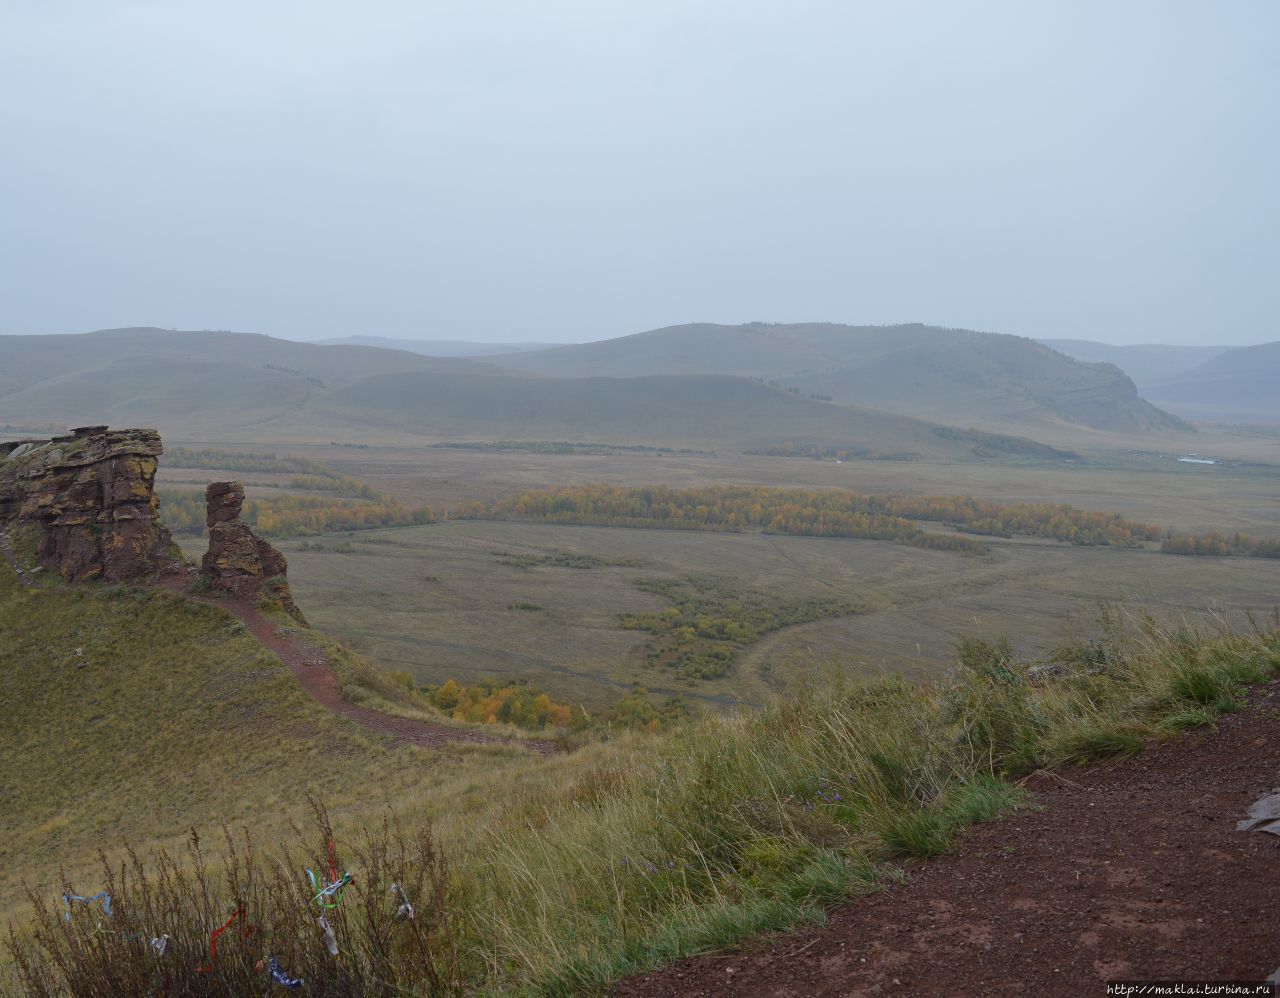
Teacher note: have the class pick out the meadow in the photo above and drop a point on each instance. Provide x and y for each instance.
(472, 600)
(449, 601)
(1141, 484)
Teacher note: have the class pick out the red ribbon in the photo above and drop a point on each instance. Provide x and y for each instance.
(213, 941)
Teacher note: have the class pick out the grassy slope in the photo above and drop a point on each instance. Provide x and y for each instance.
(643, 850)
(134, 715)
(954, 376)
(707, 411)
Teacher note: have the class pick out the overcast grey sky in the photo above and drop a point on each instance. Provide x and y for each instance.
(578, 169)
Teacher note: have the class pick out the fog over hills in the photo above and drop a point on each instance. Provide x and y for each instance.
(1147, 364)
(436, 348)
(197, 384)
(669, 385)
(704, 411)
(949, 375)
(170, 379)
(1241, 385)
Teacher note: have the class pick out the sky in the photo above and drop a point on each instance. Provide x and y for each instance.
(573, 170)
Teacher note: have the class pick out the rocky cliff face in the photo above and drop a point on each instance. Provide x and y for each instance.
(90, 496)
(238, 562)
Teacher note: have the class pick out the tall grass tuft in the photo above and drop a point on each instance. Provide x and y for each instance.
(159, 936)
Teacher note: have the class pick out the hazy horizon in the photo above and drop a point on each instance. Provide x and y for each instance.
(478, 339)
(578, 171)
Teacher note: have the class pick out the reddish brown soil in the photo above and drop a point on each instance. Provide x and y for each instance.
(1129, 871)
(308, 663)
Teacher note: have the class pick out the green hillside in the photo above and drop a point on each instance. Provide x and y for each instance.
(134, 714)
(949, 375)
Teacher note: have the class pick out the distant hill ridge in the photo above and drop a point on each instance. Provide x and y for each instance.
(866, 390)
(436, 348)
(1147, 364)
(953, 376)
(1240, 385)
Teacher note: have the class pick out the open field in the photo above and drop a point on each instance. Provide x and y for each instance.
(1146, 487)
(439, 602)
(447, 601)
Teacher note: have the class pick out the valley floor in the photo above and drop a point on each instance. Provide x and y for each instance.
(1131, 871)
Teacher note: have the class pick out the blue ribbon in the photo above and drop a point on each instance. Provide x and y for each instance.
(280, 977)
(104, 897)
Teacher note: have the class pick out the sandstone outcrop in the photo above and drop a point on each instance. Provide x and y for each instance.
(238, 562)
(90, 497)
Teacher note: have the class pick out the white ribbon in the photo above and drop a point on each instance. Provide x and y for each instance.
(330, 940)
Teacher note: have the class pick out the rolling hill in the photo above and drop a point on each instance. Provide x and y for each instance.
(1147, 364)
(1241, 385)
(221, 385)
(682, 411)
(436, 348)
(182, 380)
(949, 375)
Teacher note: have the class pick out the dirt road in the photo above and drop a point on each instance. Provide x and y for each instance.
(1133, 870)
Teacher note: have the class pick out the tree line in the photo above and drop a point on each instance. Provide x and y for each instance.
(185, 457)
(825, 513)
(183, 512)
(1214, 543)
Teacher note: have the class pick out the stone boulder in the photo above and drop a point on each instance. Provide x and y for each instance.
(238, 562)
(90, 494)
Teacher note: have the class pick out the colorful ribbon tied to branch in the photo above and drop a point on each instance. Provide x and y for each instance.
(207, 968)
(405, 910)
(333, 890)
(104, 897)
(280, 977)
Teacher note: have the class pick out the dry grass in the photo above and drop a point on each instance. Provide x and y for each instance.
(636, 850)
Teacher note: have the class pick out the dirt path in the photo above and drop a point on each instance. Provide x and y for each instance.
(1133, 871)
(308, 663)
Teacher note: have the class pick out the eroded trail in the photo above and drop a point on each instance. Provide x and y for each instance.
(307, 661)
(1131, 871)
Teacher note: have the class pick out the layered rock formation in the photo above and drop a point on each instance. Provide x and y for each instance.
(238, 562)
(90, 496)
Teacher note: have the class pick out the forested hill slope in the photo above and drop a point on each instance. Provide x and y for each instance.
(953, 376)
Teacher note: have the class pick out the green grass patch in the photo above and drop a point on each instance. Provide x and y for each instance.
(710, 622)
